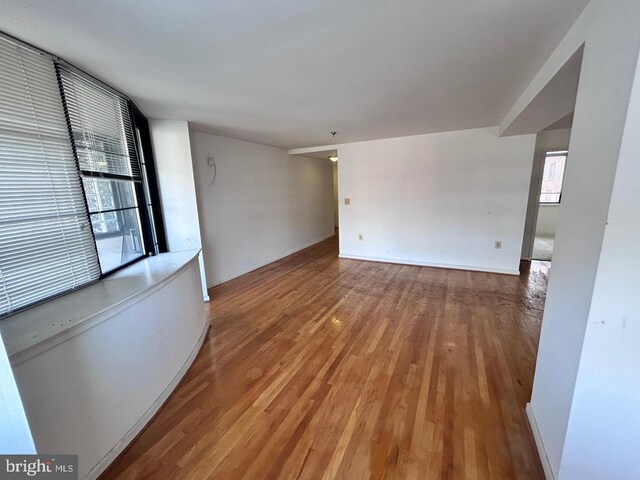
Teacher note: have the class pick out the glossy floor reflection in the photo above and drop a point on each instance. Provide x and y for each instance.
(318, 367)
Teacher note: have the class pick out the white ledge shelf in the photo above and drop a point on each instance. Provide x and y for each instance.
(37, 329)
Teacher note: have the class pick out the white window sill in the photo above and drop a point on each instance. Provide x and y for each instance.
(37, 329)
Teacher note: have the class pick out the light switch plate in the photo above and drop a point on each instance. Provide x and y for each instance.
(347, 201)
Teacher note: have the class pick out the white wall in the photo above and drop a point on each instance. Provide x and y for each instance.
(85, 395)
(15, 435)
(438, 199)
(172, 154)
(612, 40)
(547, 220)
(603, 437)
(545, 141)
(263, 205)
(336, 218)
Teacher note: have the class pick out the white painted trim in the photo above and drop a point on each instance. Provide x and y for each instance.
(273, 259)
(320, 148)
(542, 453)
(429, 264)
(133, 432)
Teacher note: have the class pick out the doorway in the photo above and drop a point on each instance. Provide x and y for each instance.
(328, 156)
(549, 202)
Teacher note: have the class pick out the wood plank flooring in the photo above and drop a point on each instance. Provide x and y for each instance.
(319, 368)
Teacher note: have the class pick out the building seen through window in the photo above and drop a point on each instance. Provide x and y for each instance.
(552, 176)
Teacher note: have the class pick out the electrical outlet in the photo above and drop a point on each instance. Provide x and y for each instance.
(497, 244)
(360, 236)
(347, 201)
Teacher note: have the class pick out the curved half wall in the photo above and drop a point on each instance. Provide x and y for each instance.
(91, 394)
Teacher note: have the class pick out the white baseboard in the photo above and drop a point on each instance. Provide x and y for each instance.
(271, 260)
(102, 465)
(542, 453)
(429, 264)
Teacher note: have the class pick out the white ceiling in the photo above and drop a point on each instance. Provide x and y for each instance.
(287, 72)
(553, 102)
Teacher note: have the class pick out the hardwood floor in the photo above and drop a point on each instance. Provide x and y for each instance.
(317, 368)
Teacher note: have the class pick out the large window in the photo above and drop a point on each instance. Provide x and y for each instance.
(103, 139)
(553, 176)
(74, 204)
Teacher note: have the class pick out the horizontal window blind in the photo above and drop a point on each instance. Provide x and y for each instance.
(46, 244)
(101, 128)
(102, 133)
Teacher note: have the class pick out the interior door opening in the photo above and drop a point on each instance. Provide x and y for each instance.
(549, 203)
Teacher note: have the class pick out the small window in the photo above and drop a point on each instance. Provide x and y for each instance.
(552, 176)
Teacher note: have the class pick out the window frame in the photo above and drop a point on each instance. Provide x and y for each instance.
(138, 121)
(146, 253)
(549, 153)
(143, 146)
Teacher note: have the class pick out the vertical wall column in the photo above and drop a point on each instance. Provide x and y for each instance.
(611, 37)
(172, 153)
(602, 440)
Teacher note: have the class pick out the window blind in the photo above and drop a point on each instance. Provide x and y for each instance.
(103, 138)
(101, 128)
(46, 243)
